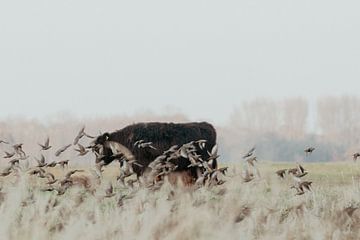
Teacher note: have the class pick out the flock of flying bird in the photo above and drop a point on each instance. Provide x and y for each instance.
(158, 169)
(297, 173)
(41, 169)
(162, 166)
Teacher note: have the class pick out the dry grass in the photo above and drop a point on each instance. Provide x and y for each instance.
(263, 209)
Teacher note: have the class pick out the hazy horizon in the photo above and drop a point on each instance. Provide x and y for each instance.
(117, 58)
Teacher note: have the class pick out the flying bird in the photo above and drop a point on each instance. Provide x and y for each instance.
(51, 165)
(301, 187)
(61, 150)
(41, 162)
(281, 173)
(14, 162)
(64, 163)
(18, 149)
(51, 181)
(37, 171)
(305, 185)
(70, 173)
(3, 141)
(309, 151)
(202, 144)
(138, 142)
(301, 172)
(82, 150)
(214, 150)
(9, 155)
(143, 144)
(250, 153)
(46, 145)
(356, 156)
(6, 172)
(171, 150)
(79, 135)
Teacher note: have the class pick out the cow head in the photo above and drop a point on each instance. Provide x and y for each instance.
(107, 151)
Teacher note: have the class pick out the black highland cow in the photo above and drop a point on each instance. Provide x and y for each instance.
(163, 136)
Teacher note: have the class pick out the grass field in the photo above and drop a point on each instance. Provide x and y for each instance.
(265, 208)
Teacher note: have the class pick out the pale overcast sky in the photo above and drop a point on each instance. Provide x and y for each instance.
(199, 57)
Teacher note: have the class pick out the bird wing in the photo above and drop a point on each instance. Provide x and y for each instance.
(302, 170)
(214, 150)
(61, 150)
(47, 143)
(81, 148)
(88, 136)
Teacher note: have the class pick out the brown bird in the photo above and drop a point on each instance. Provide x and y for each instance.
(301, 172)
(6, 172)
(281, 173)
(305, 186)
(51, 165)
(309, 151)
(142, 144)
(61, 150)
(64, 163)
(2, 141)
(79, 135)
(301, 186)
(88, 136)
(18, 149)
(250, 153)
(212, 158)
(70, 173)
(41, 162)
(171, 150)
(37, 171)
(356, 156)
(45, 146)
(14, 162)
(82, 151)
(9, 155)
(202, 143)
(223, 170)
(51, 182)
(48, 189)
(50, 176)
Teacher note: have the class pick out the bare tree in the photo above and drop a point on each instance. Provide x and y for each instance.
(338, 118)
(295, 113)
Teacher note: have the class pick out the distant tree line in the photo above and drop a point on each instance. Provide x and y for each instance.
(280, 129)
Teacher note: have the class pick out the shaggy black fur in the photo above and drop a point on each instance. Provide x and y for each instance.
(163, 136)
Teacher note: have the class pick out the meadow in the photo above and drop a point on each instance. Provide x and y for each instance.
(265, 208)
